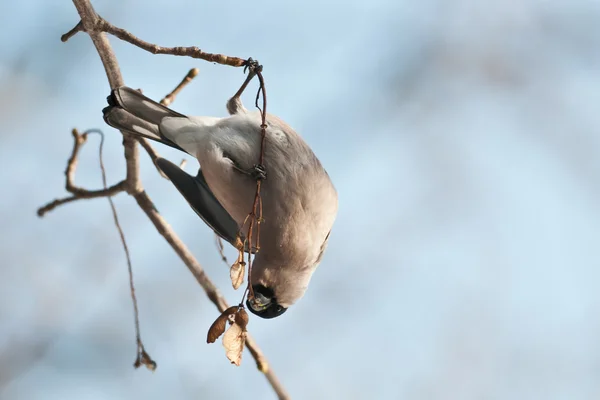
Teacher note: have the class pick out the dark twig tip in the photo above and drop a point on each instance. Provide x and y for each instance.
(193, 73)
(144, 359)
(72, 32)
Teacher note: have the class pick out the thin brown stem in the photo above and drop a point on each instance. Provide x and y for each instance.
(256, 212)
(57, 202)
(146, 145)
(165, 230)
(142, 356)
(191, 51)
(234, 105)
(168, 99)
(221, 249)
(77, 192)
(91, 194)
(72, 32)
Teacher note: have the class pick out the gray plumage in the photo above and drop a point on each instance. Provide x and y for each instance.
(299, 200)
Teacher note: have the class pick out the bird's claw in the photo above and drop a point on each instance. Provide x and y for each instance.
(258, 172)
(252, 65)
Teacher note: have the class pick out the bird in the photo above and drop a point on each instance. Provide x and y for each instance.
(299, 200)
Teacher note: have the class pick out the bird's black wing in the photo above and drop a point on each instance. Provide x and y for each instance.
(197, 193)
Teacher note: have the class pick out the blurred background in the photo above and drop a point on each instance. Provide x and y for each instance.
(462, 136)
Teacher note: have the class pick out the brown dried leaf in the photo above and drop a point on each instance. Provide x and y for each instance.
(241, 318)
(233, 341)
(236, 272)
(218, 327)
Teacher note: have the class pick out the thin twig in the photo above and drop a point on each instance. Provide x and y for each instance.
(221, 249)
(168, 99)
(101, 25)
(57, 202)
(77, 192)
(256, 212)
(142, 356)
(111, 191)
(146, 145)
(78, 141)
(191, 51)
(235, 105)
(72, 32)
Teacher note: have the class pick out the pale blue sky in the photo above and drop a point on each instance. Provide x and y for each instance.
(462, 136)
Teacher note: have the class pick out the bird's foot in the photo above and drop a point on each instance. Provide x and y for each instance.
(258, 172)
(252, 65)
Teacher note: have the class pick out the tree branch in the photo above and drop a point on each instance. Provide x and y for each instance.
(146, 145)
(77, 192)
(94, 26)
(89, 20)
(168, 99)
(99, 24)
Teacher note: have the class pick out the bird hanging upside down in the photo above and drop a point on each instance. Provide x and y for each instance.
(299, 201)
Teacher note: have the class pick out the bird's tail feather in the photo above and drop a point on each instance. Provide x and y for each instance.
(130, 111)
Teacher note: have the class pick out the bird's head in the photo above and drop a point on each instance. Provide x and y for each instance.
(274, 290)
(264, 303)
(275, 287)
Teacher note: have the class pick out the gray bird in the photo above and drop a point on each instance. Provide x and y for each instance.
(299, 200)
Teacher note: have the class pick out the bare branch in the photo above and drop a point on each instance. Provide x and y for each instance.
(146, 145)
(191, 51)
(168, 99)
(72, 32)
(234, 105)
(98, 24)
(143, 358)
(55, 203)
(95, 26)
(221, 249)
(78, 192)
(89, 19)
(92, 194)
(78, 141)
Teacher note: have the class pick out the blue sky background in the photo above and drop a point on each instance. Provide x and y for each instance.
(462, 136)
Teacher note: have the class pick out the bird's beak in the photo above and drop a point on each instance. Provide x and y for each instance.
(259, 302)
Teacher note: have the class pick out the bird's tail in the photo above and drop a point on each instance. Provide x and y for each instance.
(130, 111)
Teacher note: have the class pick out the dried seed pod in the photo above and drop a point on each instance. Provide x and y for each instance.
(233, 341)
(241, 318)
(218, 327)
(236, 273)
